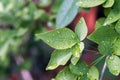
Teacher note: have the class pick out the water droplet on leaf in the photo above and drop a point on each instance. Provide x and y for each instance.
(111, 57)
(80, 21)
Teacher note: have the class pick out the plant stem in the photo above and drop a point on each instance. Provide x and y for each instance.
(98, 60)
(103, 70)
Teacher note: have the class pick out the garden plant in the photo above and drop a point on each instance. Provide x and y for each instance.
(24, 24)
(69, 45)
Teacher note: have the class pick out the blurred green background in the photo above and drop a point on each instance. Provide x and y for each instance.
(21, 56)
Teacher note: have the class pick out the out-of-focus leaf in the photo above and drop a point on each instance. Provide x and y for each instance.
(56, 5)
(66, 13)
(44, 3)
(4, 47)
(1, 7)
(21, 32)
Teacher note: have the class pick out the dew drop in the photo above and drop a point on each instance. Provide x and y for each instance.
(116, 72)
(111, 57)
(105, 24)
(77, 54)
(80, 21)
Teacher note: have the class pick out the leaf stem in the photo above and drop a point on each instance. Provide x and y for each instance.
(98, 60)
(103, 70)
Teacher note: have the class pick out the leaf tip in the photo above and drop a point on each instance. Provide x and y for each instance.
(105, 23)
(51, 67)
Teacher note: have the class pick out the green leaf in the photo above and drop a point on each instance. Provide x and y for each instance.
(74, 60)
(77, 51)
(81, 29)
(113, 63)
(66, 13)
(21, 32)
(116, 47)
(93, 73)
(8, 34)
(105, 47)
(4, 47)
(114, 14)
(104, 33)
(44, 3)
(106, 12)
(65, 74)
(79, 69)
(90, 3)
(76, 54)
(84, 77)
(1, 7)
(59, 57)
(117, 27)
(56, 5)
(99, 23)
(10, 41)
(59, 39)
(108, 3)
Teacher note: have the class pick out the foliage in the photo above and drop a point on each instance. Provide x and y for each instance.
(106, 35)
(24, 18)
(19, 20)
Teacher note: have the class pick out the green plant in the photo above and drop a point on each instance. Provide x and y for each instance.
(69, 45)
